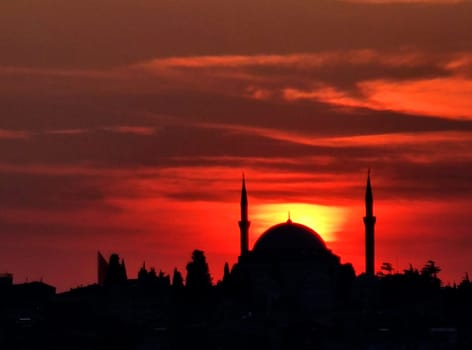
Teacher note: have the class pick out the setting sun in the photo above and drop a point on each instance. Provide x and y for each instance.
(327, 221)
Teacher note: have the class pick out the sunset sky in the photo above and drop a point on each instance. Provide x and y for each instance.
(126, 125)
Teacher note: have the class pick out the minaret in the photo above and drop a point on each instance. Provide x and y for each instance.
(369, 222)
(244, 223)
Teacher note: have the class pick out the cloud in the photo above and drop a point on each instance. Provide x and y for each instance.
(372, 79)
(13, 134)
(54, 192)
(256, 112)
(435, 97)
(407, 82)
(48, 34)
(137, 130)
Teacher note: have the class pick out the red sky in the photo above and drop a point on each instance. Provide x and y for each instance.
(125, 126)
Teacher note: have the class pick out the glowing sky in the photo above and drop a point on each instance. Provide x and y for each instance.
(125, 126)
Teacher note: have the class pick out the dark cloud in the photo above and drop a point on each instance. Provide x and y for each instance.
(61, 231)
(116, 149)
(52, 192)
(188, 107)
(344, 72)
(105, 32)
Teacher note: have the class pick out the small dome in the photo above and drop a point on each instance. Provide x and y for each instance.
(289, 238)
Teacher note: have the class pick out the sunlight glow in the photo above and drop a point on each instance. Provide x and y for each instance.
(327, 221)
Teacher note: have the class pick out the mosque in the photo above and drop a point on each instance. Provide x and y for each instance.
(290, 266)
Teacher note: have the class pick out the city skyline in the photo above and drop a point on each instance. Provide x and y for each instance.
(125, 127)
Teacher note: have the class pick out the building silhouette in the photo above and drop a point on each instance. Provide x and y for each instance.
(244, 223)
(102, 268)
(112, 272)
(369, 222)
(291, 268)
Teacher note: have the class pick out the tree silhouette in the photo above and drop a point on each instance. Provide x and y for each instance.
(151, 277)
(430, 269)
(163, 278)
(430, 273)
(123, 270)
(177, 280)
(411, 273)
(387, 267)
(226, 274)
(198, 275)
(142, 273)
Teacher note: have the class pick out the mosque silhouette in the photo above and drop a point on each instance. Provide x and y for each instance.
(290, 266)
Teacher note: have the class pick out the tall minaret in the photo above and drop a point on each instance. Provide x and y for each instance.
(244, 223)
(369, 222)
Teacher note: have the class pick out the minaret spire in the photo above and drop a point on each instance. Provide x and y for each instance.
(369, 199)
(369, 223)
(244, 223)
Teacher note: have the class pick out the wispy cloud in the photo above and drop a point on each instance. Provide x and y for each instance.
(441, 97)
(374, 79)
(128, 129)
(412, 82)
(14, 134)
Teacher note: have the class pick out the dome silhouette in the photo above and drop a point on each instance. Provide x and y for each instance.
(289, 238)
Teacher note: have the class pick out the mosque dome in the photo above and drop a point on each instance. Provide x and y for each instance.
(289, 238)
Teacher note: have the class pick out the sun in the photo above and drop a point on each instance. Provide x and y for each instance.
(327, 221)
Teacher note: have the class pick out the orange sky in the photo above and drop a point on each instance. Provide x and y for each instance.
(125, 127)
